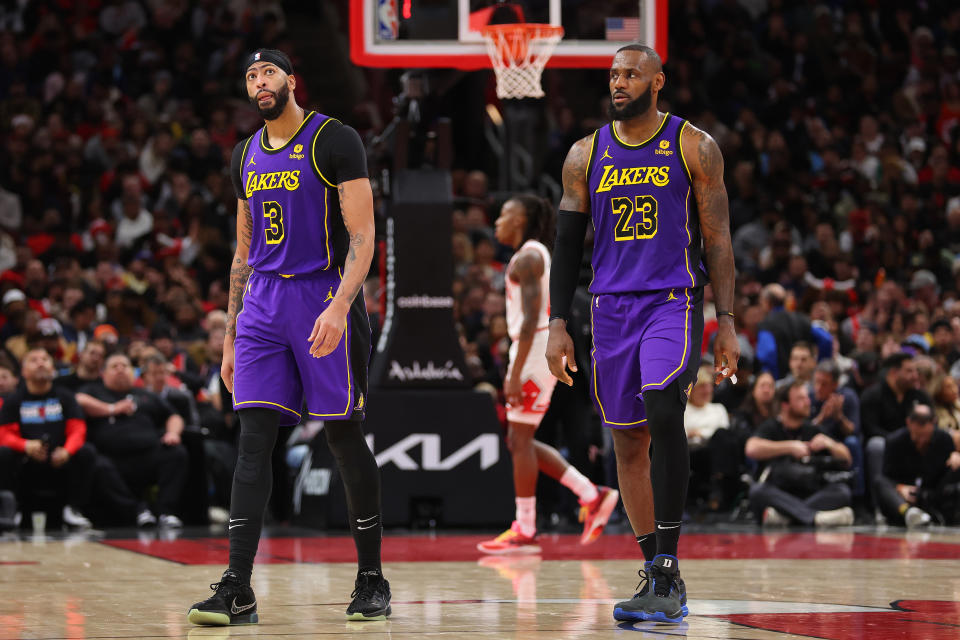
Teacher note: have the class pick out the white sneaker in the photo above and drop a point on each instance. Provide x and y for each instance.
(834, 518)
(73, 518)
(170, 521)
(146, 519)
(916, 518)
(773, 518)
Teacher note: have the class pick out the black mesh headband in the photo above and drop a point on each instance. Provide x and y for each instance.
(272, 56)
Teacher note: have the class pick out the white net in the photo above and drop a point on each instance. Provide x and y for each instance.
(519, 53)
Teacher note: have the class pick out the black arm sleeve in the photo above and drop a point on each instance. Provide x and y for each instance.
(565, 266)
(341, 156)
(236, 171)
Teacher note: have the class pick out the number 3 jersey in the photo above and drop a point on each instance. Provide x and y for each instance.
(646, 228)
(291, 191)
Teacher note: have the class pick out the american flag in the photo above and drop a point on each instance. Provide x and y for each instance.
(623, 29)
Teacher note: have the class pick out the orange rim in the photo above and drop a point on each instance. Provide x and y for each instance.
(512, 40)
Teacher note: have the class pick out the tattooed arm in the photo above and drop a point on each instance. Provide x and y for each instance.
(239, 270)
(568, 251)
(576, 193)
(239, 274)
(526, 270)
(706, 169)
(356, 205)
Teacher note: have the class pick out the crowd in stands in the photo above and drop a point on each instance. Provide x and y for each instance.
(840, 128)
(117, 120)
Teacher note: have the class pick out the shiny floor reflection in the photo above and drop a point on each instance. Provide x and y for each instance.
(838, 586)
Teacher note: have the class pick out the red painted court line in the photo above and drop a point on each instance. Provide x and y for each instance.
(733, 546)
(927, 619)
(17, 562)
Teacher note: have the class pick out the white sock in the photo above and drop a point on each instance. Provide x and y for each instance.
(579, 484)
(527, 515)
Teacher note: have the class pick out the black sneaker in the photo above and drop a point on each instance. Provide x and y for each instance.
(632, 609)
(233, 602)
(371, 597)
(666, 600)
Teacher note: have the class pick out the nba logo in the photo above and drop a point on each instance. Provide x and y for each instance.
(388, 27)
(256, 56)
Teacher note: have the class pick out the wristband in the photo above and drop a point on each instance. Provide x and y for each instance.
(725, 313)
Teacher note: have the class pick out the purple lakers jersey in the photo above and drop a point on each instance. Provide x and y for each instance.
(291, 202)
(646, 229)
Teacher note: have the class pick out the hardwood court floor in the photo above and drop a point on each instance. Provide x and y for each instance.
(864, 585)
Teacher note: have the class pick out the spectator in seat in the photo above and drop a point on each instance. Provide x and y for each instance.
(884, 407)
(51, 339)
(15, 313)
(946, 398)
(89, 366)
(140, 433)
(836, 411)
(758, 407)
(944, 347)
(78, 332)
(781, 329)
(183, 366)
(715, 455)
(799, 482)
(43, 440)
(157, 376)
(803, 360)
(921, 473)
(8, 380)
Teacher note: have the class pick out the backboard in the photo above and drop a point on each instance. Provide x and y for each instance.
(446, 33)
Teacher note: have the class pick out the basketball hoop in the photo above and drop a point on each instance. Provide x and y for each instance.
(519, 52)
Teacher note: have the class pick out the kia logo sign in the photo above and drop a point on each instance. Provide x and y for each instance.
(487, 445)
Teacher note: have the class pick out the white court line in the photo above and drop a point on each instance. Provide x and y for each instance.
(714, 607)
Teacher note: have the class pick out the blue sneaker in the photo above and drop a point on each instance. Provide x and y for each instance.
(666, 601)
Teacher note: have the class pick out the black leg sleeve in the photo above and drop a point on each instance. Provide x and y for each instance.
(361, 482)
(252, 482)
(670, 464)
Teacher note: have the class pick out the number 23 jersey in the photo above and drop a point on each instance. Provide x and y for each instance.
(646, 228)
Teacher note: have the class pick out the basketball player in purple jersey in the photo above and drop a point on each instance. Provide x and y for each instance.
(526, 224)
(298, 338)
(653, 186)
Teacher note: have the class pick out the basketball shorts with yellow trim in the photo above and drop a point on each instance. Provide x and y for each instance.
(274, 368)
(642, 341)
(537, 382)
